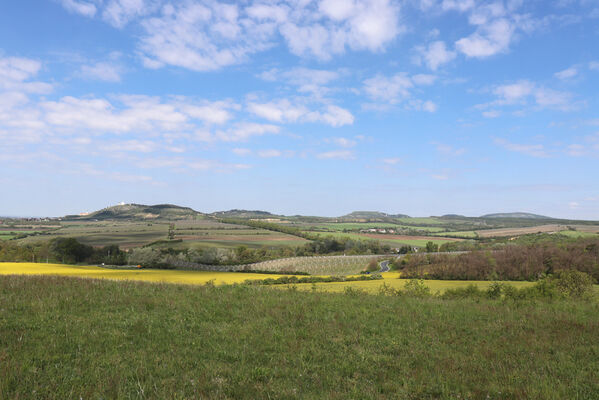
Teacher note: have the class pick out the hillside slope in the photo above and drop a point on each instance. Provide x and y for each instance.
(139, 212)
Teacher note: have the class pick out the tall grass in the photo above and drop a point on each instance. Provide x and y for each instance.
(73, 338)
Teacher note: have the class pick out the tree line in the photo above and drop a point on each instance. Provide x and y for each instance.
(511, 262)
(61, 250)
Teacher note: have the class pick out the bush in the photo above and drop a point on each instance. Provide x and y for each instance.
(416, 288)
(494, 290)
(469, 292)
(572, 283)
(373, 266)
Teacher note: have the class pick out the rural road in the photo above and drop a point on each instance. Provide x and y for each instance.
(384, 266)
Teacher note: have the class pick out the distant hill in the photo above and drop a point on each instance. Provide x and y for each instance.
(138, 212)
(372, 215)
(243, 214)
(519, 215)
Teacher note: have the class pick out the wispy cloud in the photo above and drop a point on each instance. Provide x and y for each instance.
(434, 55)
(532, 150)
(391, 161)
(104, 71)
(85, 8)
(525, 93)
(284, 111)
(448, 150)
(336, 154)
(568, 73)
(395, 89)
(209, 35)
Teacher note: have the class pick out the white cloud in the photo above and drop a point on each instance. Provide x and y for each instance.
(139, 113)
(209, 34)
(448, 150)
(342, 142)
(128, 178)
(210, 165)
(244, 130)
(103, 71)
(201, 36)
(435, 55)
(457, 5)
(16, 73)
(85, 8)
(548, 98)
(119, 12)
(424, 79)
(576, 150)
(491, 114)
(389, 89)
(305, 79)
(218, 112)
(396, 89)
(514, 92)
(533, 150)
(334, 116)
(269, 153)
(140, 146)
(336, 154)
(338, 25)
(525, 92)
(427, 106)
(278, 111)
(567, 73)
(594, 65)
(392, 161)
(283, 111)
(488, 40)
(589, 148)
(241, 151)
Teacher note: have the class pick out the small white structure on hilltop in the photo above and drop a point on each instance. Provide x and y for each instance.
(122, 203)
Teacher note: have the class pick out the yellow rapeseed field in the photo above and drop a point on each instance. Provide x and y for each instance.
(392, 280)
(220, 278)
(149, 275)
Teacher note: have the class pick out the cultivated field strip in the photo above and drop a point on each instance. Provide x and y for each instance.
(552, 228)
(317, 265)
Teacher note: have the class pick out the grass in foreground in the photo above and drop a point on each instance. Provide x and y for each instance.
(71, 338)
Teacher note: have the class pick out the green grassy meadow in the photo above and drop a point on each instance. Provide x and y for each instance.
(74, 338)
(579, 234)
(391, 242)
(461, 234)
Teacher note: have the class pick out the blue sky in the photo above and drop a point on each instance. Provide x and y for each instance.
(314, 107)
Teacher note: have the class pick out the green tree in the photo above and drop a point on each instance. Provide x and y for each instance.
(432, 247)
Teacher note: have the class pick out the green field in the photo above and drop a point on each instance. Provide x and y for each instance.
(6, 236)
(391, 242)
(70, 338)
(422, 220)
(461, 234)
(579, 234)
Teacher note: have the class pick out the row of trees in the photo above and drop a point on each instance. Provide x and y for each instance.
(512, 262)
(62, 250)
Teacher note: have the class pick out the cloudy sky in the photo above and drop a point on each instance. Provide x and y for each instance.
(316, 107)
